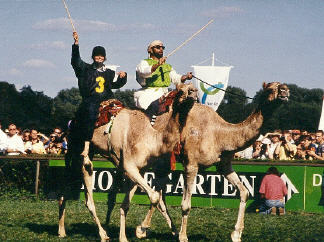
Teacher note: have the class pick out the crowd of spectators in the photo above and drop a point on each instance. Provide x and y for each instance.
(278, 145)
(286, 145)
(14, 141)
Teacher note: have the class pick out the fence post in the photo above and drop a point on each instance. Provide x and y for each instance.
(37, 177)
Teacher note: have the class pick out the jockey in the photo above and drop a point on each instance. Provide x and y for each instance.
(155, 76)
(95, 82)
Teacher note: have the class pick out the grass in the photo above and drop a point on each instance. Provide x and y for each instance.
(29, 219)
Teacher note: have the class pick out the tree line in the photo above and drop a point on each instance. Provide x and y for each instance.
(28, 108)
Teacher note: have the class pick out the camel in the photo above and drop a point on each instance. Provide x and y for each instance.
(208, 139)
(132, 144)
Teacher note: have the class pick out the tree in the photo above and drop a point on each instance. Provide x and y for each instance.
(65, 105)
(37, 109)
(126, 97)
(234, 108)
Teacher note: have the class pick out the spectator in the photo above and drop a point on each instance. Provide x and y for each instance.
(57, 131)
(52, 146)
(303, 132)
(319, 153)
(15, 145)
(3, 141)
(258, 149)
(37, 146)
(245, 154)
(295, 134)
(26, 135)
(313, 139)
(272, 151)
(288, 150)
(26, 138)
(304, 146)
(61, 138)
(273, 190)
(43, 138)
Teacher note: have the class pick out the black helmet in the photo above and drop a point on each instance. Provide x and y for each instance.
(98, 50)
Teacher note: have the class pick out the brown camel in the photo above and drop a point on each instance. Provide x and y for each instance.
(208, 139)
(133, 145)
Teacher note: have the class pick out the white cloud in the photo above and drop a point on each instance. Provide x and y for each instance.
(64, 24)
(89, 25)
(14, 72)
(57, 45)
(184, 28)
(222, 12)
(38, 63)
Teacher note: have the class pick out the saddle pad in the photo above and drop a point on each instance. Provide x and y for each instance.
(109, 108)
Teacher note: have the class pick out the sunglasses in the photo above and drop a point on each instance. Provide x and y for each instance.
(159, 47)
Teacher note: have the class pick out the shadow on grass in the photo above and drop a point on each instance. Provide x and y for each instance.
(89, 231)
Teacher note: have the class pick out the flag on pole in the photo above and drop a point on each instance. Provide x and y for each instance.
(215, 75)
(321, 122)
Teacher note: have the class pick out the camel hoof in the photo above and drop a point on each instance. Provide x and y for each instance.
(183, 239)
(62, 235)
(141, 232)
(107, 239)
(123, 240)
(236, 236)
(103, 235)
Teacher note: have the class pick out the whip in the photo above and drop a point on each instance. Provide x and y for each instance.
(69, 15)
(176, 49)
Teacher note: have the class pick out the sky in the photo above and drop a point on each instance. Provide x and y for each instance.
(265, 41)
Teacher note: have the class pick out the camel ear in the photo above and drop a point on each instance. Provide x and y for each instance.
(264, 85)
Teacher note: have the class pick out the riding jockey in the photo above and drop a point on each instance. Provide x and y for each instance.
(95, 82)
(155, 76)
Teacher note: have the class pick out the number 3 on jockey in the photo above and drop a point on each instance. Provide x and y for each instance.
(101, 82)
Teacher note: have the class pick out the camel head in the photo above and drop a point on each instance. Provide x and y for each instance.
(186, 92)
(275, 91)
(184, 100)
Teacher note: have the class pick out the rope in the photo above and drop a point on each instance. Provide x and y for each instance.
(222, 89)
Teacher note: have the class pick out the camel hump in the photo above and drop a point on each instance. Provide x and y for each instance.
(108, 109)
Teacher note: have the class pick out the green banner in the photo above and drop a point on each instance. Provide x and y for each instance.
(304, 184)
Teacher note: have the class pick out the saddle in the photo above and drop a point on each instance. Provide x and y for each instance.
(166, 101)
(108, 109)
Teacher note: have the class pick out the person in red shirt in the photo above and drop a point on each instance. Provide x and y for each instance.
(273, 190)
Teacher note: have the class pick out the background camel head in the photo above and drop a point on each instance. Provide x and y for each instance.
(186, 92)
(275, 91)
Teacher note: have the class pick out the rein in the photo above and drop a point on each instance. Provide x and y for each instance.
(222, 89)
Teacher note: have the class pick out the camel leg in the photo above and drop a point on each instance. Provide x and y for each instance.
(61, 230)
(87, 170)
(190, 175)
(112, 194)
(234, 180)
(141, 230)
(133, 173)
(123, 212)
